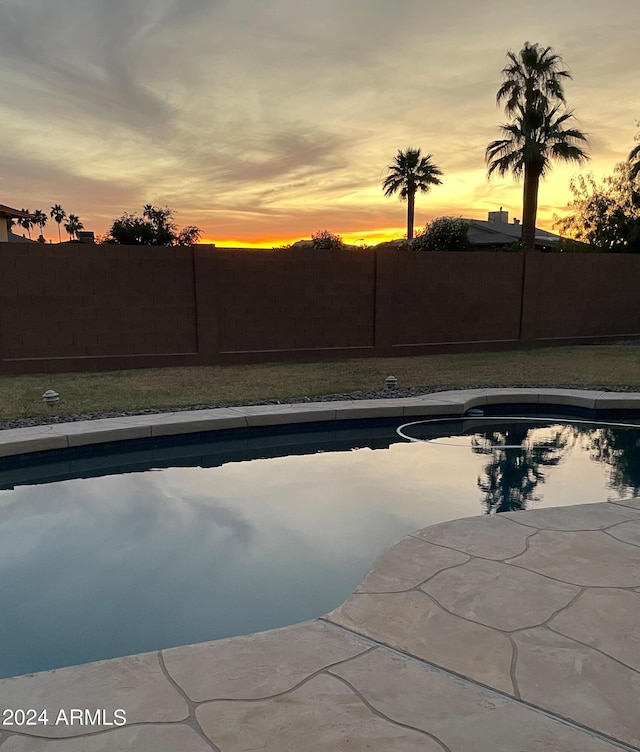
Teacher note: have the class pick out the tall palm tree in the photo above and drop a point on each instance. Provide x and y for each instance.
(40, 219)
(530, 151)
(535, 102)
(26, 222)
(73, 225)
(411, 172)
(59, 214)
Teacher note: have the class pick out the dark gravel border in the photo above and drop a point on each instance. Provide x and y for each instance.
(42, 420)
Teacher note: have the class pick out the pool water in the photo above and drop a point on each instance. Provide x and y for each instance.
(153, 553)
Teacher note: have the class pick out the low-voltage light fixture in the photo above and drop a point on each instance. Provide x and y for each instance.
(391, 382)
(50, 397)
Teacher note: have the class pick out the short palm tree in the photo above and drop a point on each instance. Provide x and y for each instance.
(26, 222)
(536, 135)
(73, 226)
(40, 219)
(411, 172)
(59, 214)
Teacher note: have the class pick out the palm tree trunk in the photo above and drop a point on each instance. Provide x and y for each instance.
(59, 235)
(530, 206)
(411, 202)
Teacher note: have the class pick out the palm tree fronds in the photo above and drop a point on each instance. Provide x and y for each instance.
(533, 92)
(411, 172)
(568, 153)
(58, 214)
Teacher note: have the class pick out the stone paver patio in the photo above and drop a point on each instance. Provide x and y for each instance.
(510, 633)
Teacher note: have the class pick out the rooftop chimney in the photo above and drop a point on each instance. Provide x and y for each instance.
(499, 216)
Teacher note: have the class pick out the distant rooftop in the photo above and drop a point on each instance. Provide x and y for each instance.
(8, 211)
(497, 230)
(13, 238)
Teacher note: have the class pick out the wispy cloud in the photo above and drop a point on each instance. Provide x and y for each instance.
(286, 112)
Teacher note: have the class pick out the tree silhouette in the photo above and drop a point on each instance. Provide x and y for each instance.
(59, 214)
(40, 219)
(73, 226)
(605, 215)
(189, 235)
(537, 133)
(411, 172)
(324, 239)
(620, 449)
(510, 480)
(155, 227)
(26, 222)
(162, 220)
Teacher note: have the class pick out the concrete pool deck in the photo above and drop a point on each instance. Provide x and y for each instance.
(510, 633)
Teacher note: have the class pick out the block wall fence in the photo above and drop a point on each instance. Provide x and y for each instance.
(82, 308)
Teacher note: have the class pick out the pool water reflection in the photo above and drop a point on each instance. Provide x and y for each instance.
(94, 568)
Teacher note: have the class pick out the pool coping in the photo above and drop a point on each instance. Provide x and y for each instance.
(470, 635)
(454, 403)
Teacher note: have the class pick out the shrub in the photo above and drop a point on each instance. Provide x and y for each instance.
(569, 245)
(443, 234)
(154, 227)
(326, 240)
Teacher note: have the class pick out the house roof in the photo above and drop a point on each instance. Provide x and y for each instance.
(7, 211)
(494, 232)
(491, 238)
(13, 238)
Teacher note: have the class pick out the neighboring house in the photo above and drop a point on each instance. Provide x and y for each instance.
(6, 215)
(13, 238)
(496, 231)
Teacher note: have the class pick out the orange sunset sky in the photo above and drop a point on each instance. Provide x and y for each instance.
(262, 121)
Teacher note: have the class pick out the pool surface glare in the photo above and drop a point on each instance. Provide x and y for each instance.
(133, 562)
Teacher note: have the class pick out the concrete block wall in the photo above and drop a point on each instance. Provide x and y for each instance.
(79, 302)
(82, 307)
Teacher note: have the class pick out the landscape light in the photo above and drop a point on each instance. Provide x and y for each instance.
(50, 397)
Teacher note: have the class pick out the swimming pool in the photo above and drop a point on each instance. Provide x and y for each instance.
(130, 548)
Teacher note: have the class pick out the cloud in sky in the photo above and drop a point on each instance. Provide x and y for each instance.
(261, 121)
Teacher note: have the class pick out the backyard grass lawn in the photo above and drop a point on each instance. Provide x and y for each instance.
(585, 366)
